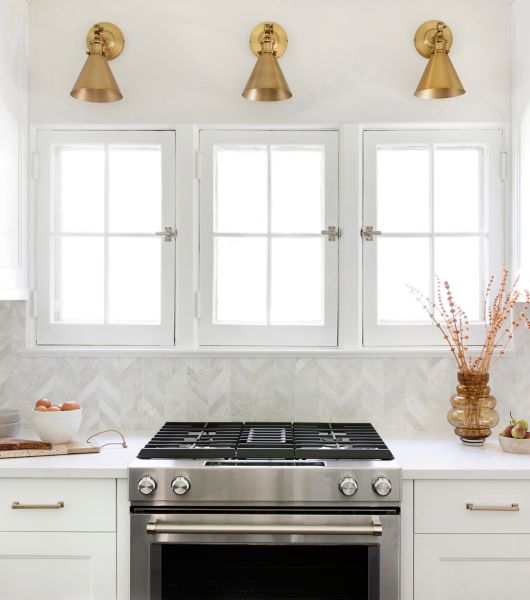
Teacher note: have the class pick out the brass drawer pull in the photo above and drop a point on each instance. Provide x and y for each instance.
(17, 506)
(499, 508)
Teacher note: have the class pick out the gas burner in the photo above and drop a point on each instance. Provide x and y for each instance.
(288, 441)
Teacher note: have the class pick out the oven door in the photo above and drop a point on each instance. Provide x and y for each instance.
(251, 555)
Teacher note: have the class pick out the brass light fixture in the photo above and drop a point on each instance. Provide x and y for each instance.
(433, 40)
(96, 82)
(268, 41)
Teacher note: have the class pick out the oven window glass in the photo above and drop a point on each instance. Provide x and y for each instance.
(264, 572)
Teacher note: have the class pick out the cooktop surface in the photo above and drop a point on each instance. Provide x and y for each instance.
(234, 440)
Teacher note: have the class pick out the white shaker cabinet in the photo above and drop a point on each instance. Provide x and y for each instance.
(471, 539)
(13, 149)
(58, 566)
(58, 539)
(460, 566)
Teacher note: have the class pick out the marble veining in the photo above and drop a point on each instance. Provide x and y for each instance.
(399, 394)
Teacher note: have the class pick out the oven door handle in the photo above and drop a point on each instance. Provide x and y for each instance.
(375, 529)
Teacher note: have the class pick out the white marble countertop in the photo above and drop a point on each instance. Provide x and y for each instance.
(441, 455)
(422, 455)
(111, 462)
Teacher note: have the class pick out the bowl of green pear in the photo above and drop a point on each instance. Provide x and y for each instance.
(515, 437)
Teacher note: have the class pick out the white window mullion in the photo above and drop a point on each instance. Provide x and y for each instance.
(269, 236)
(106, 239)
(431, 219)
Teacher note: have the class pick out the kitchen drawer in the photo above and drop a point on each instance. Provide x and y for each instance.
(440, 506)
(89, 504)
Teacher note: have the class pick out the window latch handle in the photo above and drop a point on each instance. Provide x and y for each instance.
(368, 232)
(332, 232)
(169, 234)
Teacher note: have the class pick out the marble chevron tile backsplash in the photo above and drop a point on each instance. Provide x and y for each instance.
(141, 393)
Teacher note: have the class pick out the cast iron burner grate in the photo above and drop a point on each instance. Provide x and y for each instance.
(288, 441)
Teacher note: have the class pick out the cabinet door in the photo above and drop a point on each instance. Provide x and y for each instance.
(57, 566)
(13, 149)
(485, 566)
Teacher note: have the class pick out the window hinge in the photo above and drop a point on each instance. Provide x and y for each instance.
(368, 232)
(34, 304)
(57, 309)
(198, 164)
(197, 305)
(504, 162)
(332, 232)
(35, 166)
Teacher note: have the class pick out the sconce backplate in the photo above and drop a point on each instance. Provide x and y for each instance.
(112, 36)
(279, 38)
(424, 38)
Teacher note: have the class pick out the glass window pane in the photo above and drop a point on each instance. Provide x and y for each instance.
(297, 282)
(135, 189)
(297, 189)
(78, 280)
(134, 280)
(241, 190)
(79, 189)
(403, 190)
(402, 262)
(459, 261)
(457, 189)
(240, 282)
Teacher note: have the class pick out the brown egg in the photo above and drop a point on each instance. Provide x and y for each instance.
(70, 406)
(43, 402)
(41, 408)
(53, 409)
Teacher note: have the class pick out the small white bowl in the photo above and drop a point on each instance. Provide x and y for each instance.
(513, 445)
(10, 430)
(9, 415)
(57, 427)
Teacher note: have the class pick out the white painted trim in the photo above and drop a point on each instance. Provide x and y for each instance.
(240, 352)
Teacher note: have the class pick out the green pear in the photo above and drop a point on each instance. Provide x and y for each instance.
(519, 432)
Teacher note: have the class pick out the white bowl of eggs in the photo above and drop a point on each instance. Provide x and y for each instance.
(56, 424)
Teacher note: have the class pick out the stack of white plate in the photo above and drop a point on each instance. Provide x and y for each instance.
(10, 421)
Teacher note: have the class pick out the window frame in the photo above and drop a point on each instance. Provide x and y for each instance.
(49, 333)
(187, 303)
(215, 334)
(493, 187)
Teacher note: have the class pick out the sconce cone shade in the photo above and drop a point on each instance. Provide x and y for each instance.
(439, 80)
(266, 82)
(96, 82)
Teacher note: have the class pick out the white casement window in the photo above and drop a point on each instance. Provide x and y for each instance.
(268, 273)
(434, 199)
(105, 270)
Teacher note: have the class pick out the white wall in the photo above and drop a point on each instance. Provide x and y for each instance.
(186, 61)
(521, 135)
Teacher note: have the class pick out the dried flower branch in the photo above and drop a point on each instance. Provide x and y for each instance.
(453, 322)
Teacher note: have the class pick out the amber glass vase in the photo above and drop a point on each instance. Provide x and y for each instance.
(473, 413)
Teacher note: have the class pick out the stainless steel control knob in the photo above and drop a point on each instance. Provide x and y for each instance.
(348, 486)
(382, 486)
(180, 485)
(146, 485)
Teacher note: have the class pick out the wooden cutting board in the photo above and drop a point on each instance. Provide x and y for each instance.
(27, 448)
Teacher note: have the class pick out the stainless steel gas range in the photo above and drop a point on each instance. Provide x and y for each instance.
(226, 511)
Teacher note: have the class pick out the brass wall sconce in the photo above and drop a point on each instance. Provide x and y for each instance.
(433, 40)
(96, 82)
(268, 41)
